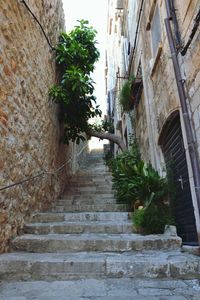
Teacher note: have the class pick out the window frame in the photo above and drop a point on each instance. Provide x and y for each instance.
(156, 53)
(155, 42)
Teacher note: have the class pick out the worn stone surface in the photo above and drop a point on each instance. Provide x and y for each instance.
(94, 264)
(91, 232)
(152, 113)
(191, 249)
(97, 207)
(109, 289)
(80, 227)
(94, 242)
(81, 216)
(63, 266)
(160, 100)
(138, 46)
(29, 127)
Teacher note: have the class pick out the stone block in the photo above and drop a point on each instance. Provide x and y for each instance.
(28, 121)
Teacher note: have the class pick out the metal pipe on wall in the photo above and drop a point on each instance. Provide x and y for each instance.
(182, 96)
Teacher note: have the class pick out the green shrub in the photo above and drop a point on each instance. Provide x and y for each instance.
(108, 156)
(139, 184)
(134, 180)
(122, 168)
(152, 218)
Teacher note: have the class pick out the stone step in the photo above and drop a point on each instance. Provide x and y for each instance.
(94, 196)
(91, 187)
(74, 192)
(81, 216)
(90, 184)
(94, 242)
(97, 172)
(89, 196)
(89, 191)
(88, 177)
(79, 227)
(102, 289)
(92, 208)
(64, 266)
(79, 200)
(98, 168)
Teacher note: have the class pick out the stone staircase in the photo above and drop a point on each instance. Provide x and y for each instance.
(87, 235)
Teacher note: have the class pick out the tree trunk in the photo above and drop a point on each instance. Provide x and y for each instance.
(108, 136)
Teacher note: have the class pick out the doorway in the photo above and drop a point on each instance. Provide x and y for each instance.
(171, 141)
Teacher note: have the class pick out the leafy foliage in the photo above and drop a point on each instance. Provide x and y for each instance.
(76, 54)
(153, 218)
(104, 125)
(122, 168)
(140, 185)
(125, 95)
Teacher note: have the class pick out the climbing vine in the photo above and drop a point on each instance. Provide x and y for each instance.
(76, 54)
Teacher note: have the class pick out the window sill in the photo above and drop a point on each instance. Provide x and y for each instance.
(156, 59)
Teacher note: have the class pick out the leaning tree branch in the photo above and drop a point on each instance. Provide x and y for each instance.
(108, 136)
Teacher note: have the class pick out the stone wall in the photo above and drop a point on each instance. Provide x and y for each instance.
(190, 63)
(141, 130)
(29, 127)
(161, 98)
(160, 89)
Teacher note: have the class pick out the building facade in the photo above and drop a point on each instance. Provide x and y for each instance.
(156, 45)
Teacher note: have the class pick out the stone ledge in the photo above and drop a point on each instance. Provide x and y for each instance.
(63, 266)
(195, 250)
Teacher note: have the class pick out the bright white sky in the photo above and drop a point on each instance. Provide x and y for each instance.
(95, 11)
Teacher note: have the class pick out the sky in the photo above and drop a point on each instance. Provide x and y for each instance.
(95, 11)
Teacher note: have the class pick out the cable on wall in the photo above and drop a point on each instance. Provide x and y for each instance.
(194, 30)
(38, 22)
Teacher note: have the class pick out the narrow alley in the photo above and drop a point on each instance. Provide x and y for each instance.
(99, 150)
(85, 248)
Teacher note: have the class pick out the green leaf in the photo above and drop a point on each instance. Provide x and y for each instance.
(76, 54)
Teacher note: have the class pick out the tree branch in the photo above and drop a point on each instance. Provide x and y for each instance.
(108, 136)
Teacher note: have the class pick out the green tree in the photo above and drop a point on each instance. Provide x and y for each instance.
(76, 54)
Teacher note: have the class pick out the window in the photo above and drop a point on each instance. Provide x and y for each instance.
(153, 24)
(137, 87)
(119, 4)
(155, 31)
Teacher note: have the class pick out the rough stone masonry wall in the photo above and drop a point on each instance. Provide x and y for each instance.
(29, 128)
(190, 64)
(160, 86)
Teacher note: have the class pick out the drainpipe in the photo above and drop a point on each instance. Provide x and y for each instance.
(182, 96)
(171, 11)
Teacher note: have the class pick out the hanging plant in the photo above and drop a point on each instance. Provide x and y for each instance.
(125, 97)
